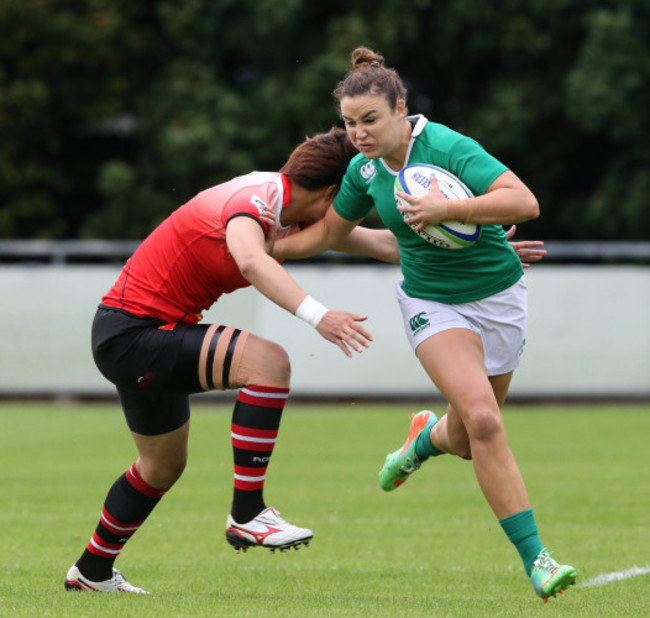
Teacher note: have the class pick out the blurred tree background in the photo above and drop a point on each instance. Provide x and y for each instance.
(114, 112)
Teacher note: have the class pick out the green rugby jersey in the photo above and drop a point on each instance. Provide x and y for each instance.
(445, 275)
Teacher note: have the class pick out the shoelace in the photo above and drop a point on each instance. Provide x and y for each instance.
(545, 562)
(268, 519)
(121, 580)
(411, 465)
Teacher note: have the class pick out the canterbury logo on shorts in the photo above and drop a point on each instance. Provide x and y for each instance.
(418, 322)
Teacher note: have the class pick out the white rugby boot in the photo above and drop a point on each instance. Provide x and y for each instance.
(268, 530)
(74, 580)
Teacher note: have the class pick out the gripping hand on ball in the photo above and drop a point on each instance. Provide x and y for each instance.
(428, 209)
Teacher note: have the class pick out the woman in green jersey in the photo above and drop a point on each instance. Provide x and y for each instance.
(464, 310)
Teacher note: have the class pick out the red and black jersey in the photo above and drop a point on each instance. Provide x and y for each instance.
(184, 265)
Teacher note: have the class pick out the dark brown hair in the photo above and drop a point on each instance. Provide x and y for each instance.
(369, 76)
(320, 161)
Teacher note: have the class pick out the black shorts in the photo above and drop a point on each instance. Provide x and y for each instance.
(152, 364)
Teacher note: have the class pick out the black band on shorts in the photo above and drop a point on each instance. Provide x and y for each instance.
(225, 379)
(210, 359)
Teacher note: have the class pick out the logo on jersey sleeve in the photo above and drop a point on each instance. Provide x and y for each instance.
(368, 171)
(259, 203)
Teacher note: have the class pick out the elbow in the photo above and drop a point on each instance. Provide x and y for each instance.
(248, 269)
(393, 257)
(528, 207)
(532, 208)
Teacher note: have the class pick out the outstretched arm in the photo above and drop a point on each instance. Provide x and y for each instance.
(382, 245)
(377, 244)
(246, 243)
(328, 233)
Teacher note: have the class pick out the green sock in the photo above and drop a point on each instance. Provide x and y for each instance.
(423, 447)
(522, 532)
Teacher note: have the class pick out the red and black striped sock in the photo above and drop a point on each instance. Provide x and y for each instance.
(255, 423)
(128, 504)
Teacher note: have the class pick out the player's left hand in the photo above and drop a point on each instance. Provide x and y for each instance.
(527, 250)
(268, 217)
(428, 209)
(343, 329)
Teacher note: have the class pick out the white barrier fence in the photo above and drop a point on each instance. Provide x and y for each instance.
(588, 336)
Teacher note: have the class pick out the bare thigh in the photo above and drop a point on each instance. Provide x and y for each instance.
(230, 358)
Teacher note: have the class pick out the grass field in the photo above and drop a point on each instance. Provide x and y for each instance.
(433, 548)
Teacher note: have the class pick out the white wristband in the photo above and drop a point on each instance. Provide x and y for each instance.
(311, 311)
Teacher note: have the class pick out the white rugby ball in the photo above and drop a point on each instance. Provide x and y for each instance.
(416, 180)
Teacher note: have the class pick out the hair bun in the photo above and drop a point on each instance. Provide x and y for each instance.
(364, 57)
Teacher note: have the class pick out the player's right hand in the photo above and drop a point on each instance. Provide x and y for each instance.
(344, 329)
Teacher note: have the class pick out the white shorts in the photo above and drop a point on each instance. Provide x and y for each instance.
(500, 321)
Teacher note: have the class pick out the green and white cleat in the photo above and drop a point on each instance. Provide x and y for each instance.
(400, 464)
(548, 577)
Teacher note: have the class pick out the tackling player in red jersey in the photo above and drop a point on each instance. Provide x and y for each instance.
(147, 340)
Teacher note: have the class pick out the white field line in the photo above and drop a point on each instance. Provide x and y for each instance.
(607, 578)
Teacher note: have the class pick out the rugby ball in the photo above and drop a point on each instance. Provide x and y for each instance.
(416, 180)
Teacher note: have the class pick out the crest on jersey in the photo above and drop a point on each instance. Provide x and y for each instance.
(259, 203)
(368, 171)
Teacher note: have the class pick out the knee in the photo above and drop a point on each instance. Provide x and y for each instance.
(277, 366)
(485, 425)
(163, 473)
